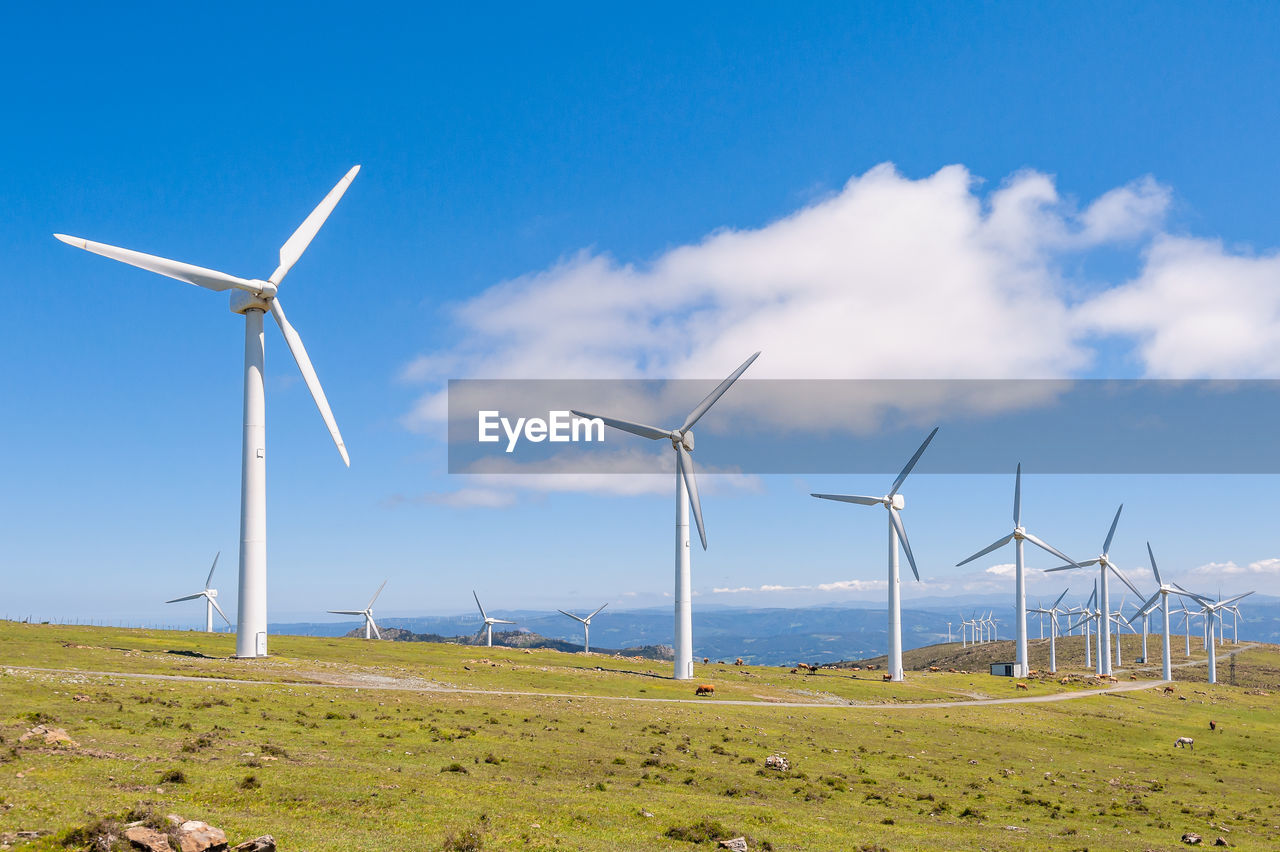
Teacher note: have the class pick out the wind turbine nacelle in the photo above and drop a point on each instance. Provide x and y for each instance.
(213, 593)
(687, 440)
(243, 301)
(898, 502)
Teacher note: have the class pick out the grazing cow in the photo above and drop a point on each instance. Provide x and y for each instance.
(1019, 685)
(887, 676)
(953, 671)
(1112, 679)
(793, 671)
(804, 666)
(1168, 690)
(706, 660)
(1032, 673)
(1185, 742)
(1133, 677)
(872, 667)
(855, 668)
(1213, 726)
(934, 669)
(738, 662)
(1065, 681)
(705, 689)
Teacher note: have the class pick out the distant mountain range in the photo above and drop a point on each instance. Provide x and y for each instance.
(763, 636)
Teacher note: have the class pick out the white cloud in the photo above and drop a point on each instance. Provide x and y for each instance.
(1007, 569)
(888, 278)
(854, 586)
(1196, 310)
(1214, 569)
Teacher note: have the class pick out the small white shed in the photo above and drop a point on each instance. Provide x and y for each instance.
(1003, 669)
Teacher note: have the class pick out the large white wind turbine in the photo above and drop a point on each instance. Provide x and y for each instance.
(893, 503)
(370, 629)
(1018, 536)
(210, 599)
(1211, 610)
(252, 298)
(586, 626)
(686, 493)
(489, 621)
(1105, 566)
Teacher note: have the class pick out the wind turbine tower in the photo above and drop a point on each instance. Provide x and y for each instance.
(893, 503)
(252, 299)
(686, 493)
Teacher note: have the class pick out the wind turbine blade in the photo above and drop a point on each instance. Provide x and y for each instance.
(477, 597)
(685, 462)
(990, 547)
(571, 615)
(373, 624)
(375, 594)
(209, 279)
(346, 611)
(309, 376)
(896, 519)
(1154, 569)
(1048, 548)
(220, 612)
(1059, 600)
(502, 621)
(897, 483)
(597, 612)
(711, 398)
(297, 244)
(1124, 579)
(1106, 547)
(1229, 601)
(651, 432)
(1084, 564)
(1017, 498)
(209, 579)
(850, 498)
(187, 598)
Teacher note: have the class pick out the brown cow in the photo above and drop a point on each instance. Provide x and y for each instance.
(887, 676)
(1020, 685)
(705, 689)
(738, 662)
(1168, 690)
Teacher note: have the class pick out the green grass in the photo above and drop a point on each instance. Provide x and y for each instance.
(417, 768)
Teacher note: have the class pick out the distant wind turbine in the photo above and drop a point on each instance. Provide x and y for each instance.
(686, 493)
(586, 626)
(1211, 610)
(370, 629)
(251, 298)
(210, 599)
(893, 503)
(489, 621)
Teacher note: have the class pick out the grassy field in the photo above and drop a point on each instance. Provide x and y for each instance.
(346, 744)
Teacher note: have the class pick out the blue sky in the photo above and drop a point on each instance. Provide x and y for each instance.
(614, 153)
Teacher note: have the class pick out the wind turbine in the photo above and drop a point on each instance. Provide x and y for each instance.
(1211, 609)
(1161, 598)
(586, 626)
(251, 298)
(1018, 536)
(488, 621)
(1052, 612)
(686, 494)
(893, 503)
(1104, 598)
(370, 629)
(210, 599)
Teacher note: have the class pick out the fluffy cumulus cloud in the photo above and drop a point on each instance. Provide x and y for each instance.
(1007, 569)
(837, 586)
(890, 277)
(1217, 569)
(1197, 310)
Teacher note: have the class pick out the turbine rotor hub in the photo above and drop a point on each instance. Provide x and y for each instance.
(242, 301)
(897, 501)
(685, 440)
(1019, 533)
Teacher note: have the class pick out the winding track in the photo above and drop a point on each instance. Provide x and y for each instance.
(375, 682)
(394, 685)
